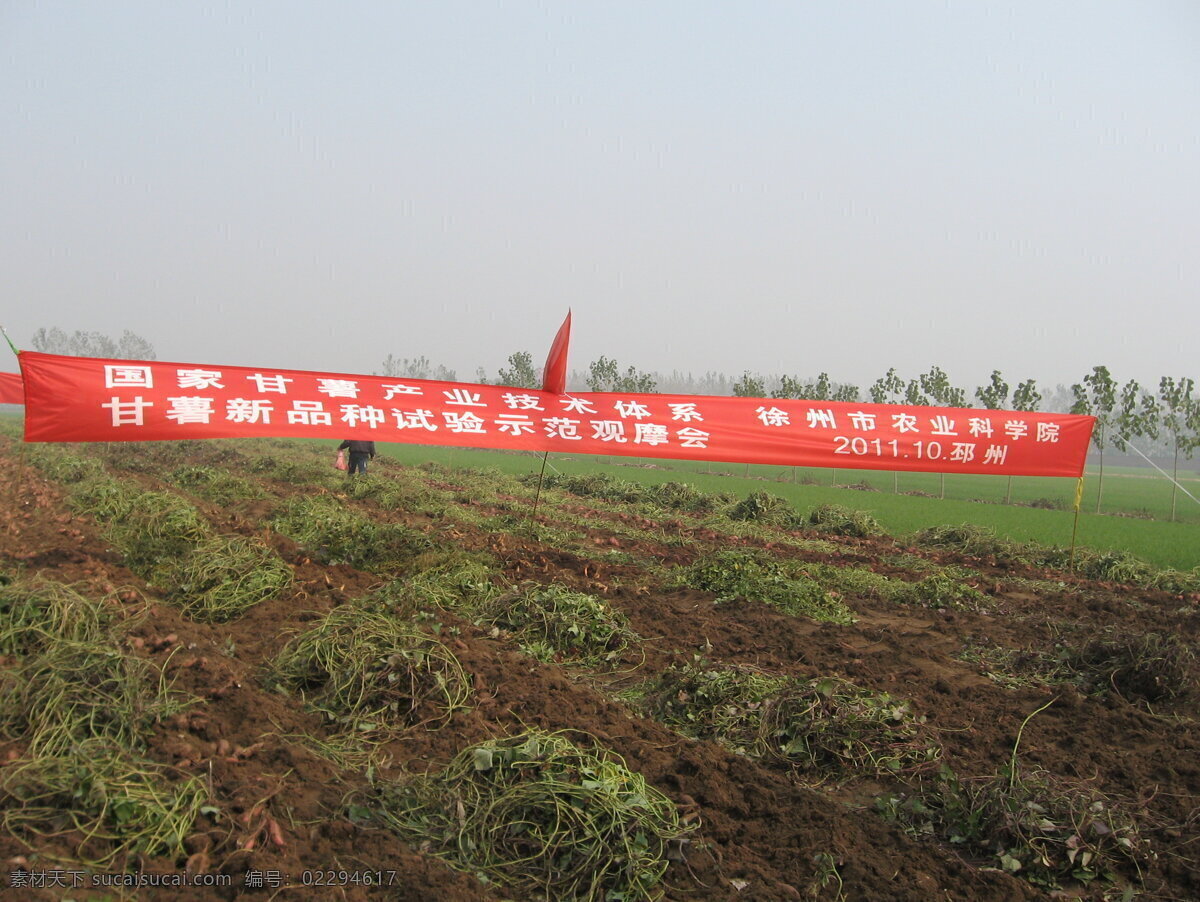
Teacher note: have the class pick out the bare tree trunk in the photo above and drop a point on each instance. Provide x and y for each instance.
(1008, 492)
(1174, 479)
(1100, 484)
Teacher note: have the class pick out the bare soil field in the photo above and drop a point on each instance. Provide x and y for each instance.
(899, 721)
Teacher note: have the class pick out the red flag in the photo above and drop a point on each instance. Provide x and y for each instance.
(12, 389)
(554, 375)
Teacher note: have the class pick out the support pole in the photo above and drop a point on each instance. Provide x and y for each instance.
(538, 496)
(17, 477)
(1075, 527)
(10, 342)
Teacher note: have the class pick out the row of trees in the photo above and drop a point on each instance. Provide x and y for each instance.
(130, 346)
(603, 374)
(1128, 411)
(416, 368)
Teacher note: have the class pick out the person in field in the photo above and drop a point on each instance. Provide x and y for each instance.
(360, 453)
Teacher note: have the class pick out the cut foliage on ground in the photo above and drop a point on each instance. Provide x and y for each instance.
(229, 660)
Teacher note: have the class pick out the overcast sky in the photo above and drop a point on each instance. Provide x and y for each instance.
(778, 187)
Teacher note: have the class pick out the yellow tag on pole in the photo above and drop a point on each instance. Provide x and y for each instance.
(1075, 525)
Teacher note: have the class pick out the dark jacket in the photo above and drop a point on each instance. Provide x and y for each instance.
(358, 447)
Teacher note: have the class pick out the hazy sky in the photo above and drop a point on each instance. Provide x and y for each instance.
(783, 187)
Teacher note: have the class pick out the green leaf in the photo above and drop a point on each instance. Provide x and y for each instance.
(483, 759)
(360, 813)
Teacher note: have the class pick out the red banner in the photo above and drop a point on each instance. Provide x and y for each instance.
(84, 399)
(12, 390)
